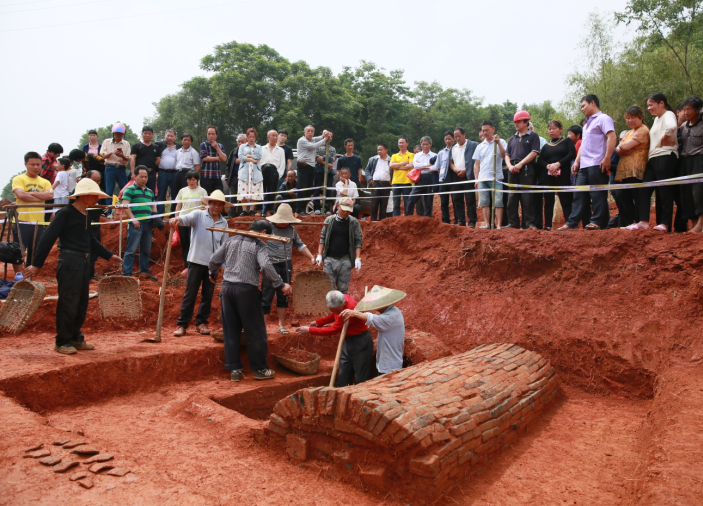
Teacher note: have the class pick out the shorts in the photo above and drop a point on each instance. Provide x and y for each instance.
(484, 198)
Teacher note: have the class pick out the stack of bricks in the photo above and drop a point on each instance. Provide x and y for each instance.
(419, 429)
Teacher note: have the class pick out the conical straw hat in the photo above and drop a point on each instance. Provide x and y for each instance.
(283, 215)
(380, 297)
(216, 195)
(87, 186)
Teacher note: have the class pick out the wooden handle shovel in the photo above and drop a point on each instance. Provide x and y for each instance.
(157, 337)
(333, 379)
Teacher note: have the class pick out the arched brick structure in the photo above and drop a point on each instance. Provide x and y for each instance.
(423, 427)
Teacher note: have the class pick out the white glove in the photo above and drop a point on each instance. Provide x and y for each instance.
(318, 260)
(357, 264)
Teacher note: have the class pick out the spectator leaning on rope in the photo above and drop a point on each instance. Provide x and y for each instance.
(211, 154)
(340, 241)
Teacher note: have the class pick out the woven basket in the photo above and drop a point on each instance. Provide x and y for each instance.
(20, 305)
(311, 287)
(119, 298)
(306, 363)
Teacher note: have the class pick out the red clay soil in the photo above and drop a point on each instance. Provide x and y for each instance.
(617, 313)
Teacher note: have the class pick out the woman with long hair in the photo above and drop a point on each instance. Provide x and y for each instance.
(555, 159)
(633, 152)
(662, 164)
(250, 186)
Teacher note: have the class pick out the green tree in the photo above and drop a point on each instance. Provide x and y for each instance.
(7, 190)
(106, 133)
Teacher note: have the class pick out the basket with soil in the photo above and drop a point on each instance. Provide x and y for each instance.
(300, 361)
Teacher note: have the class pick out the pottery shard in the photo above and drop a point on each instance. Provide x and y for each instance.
(37, 455)
(86, 450)
(61, 442)
(118, 471)
(50, 461)
(102, 457)
(62, 468)
(34, 447)
(86, 483)
(73, 444)
(96, 468)
(78, 476)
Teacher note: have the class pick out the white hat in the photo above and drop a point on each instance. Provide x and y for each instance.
(216, 195)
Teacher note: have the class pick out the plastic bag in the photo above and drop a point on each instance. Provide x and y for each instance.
(176, 239)
(414, 175)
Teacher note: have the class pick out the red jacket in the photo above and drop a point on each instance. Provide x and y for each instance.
(355, 328)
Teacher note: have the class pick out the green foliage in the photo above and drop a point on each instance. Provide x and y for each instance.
(7, 190)
(106, 133)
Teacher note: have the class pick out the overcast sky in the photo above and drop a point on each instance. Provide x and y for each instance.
(70, 65)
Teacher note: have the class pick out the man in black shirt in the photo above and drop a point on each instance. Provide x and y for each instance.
(340, 240)
(282, 138)
(286, 186)
(146, 153)
(351, 161)
(71, 226)
(523, 148)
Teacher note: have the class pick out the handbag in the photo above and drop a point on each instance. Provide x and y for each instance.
(414, 175)
(11, 252)
(176, 239)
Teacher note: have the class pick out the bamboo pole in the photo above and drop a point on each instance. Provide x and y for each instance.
(493, 192)
(333, 379)
(248, 233)
(162, 300)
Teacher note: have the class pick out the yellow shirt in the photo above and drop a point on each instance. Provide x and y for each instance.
(401, 176)
(30, 185)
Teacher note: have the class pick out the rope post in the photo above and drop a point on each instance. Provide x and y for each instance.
(493, 191)
(324, 184)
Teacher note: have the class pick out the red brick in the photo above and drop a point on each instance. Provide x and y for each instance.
(343, 426)
(341, 408)
(427, 466)
(440, 436)
(297, 447)
(463, 428)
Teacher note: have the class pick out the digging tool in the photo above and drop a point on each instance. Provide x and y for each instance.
(333, 379)
(249, 233)
(157, 337)
(493, 193)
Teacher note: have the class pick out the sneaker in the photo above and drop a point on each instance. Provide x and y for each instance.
(328, 213)
(264, 374)
(236, 375)
(318, 212)
(243, 213)
(83, 345)
(65, 350)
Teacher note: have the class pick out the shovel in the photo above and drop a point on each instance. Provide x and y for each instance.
(159, 323)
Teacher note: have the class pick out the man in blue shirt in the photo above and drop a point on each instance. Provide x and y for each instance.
(443, 164)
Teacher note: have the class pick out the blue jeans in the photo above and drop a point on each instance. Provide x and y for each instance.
(114, 174)
(138, 238)
(398, 191)
(164, 181)
(484, 198)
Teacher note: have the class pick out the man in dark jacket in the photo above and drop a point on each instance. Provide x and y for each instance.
(461, 162)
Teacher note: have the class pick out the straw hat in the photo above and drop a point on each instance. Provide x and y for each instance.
(87, 186)
(283, 215)
(216, 195)
(380, 297)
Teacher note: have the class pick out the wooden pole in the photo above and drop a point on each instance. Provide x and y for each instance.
(493, 193)
(159, 323)
(323, 208)
(249, 233)
(333, 379)
(120, 250)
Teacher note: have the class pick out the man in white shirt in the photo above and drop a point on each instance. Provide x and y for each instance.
(425, 160)
(443, 164)
(378, 175)
(187, 159)
(346, 188)
(273, 167)
(307, 154)
(166, 176)
(485, 160)
(460, 172)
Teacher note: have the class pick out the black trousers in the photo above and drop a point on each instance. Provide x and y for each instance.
(270, 175)
(382, 190)
(210, 185)
(692, 194)
(27, 233)
(306, 179)
(184, 233)
(598, 200)
(151, 182)
(444, 204)
(285, 270)
(539, 198)
(241, 309)
(566, 199)
(73, 278)
(356, 359)
(626, 200)
(658, 168)
(524, 200)
(95, 230)
(198, 276)
(232, 189)
(424, 185)
(464, 203)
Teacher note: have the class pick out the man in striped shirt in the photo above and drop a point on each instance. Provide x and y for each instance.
(140, 227)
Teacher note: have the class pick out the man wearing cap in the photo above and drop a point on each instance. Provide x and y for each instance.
(203, 243)
(523, 148)
(245, 259)
(71, 227)
(389, 323)
(116, 153)
(281, 255)
(340, 241)
(146, 153)
(357, 350)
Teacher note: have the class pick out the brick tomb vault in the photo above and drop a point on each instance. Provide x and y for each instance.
(420, 429)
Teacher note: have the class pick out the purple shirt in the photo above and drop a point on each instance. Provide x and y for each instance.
(595, 142)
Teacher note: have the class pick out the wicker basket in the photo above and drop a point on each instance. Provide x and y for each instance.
(311, 287)
(119, 298)
(20, 305)
(305, 362)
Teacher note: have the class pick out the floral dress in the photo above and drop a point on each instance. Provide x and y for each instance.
(250, 185)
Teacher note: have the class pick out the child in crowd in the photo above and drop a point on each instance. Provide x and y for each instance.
(345, 188)
(60, 185)
(192, 191)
